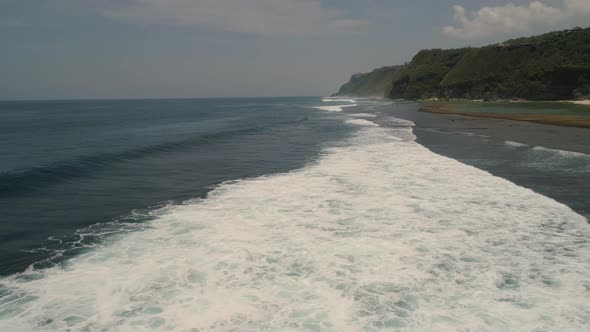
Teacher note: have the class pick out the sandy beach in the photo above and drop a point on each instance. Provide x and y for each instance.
(550, 119)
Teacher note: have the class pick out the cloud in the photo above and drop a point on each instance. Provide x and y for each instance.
(511, 18)
(262, 17)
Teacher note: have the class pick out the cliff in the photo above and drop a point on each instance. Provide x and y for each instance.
(374, 84)
(553, 66)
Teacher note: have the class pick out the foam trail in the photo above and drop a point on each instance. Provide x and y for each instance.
(379, 234)
(334, 108)
(563, 153)
(515, 144)
(471, 134)
(361, 122)
(364, 115)
(329, 100)
(569, 161)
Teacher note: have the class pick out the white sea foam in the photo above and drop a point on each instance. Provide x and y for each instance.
(470, 134)
(337, 100)
(570, 161)
(334, 108)
(379, 234)
(363, 115)
(361, 122)
(562, 153)
(515, 144)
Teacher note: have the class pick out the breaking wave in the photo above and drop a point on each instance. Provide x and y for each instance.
(364, 115)
(515, 144)
(570, 161)
(380, 233)
(334, 108)
(563, 153)
(328, 100)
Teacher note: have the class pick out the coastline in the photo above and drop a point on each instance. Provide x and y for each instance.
(551, 160)
(566, 138)
(547, 119)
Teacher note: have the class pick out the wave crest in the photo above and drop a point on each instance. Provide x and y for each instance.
(378, 234)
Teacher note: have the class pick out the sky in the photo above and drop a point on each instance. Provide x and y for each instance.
(80, 49)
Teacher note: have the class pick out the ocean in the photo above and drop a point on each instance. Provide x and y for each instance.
(283, 214)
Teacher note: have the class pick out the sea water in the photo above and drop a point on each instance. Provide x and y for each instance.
(336, 223)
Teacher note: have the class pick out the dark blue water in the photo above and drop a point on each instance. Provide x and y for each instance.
(68, 165)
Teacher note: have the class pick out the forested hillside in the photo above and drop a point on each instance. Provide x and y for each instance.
(374, 84)
(553, 66)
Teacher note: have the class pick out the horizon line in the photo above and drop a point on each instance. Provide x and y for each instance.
(149, 98)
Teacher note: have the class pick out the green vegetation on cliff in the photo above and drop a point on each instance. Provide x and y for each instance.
(553, 66)
(421, 78)
(373, 84)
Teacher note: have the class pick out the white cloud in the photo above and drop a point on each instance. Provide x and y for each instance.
(580, 8)
(511, 18)
(263, 17)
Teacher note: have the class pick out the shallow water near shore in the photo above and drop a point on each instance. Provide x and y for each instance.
(551, 160)
(528, 107)
(349, 224)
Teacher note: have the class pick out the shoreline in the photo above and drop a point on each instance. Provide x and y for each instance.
(550, 136)
(544, 158)
(584, 102)
(495, 101)
(548, 119)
